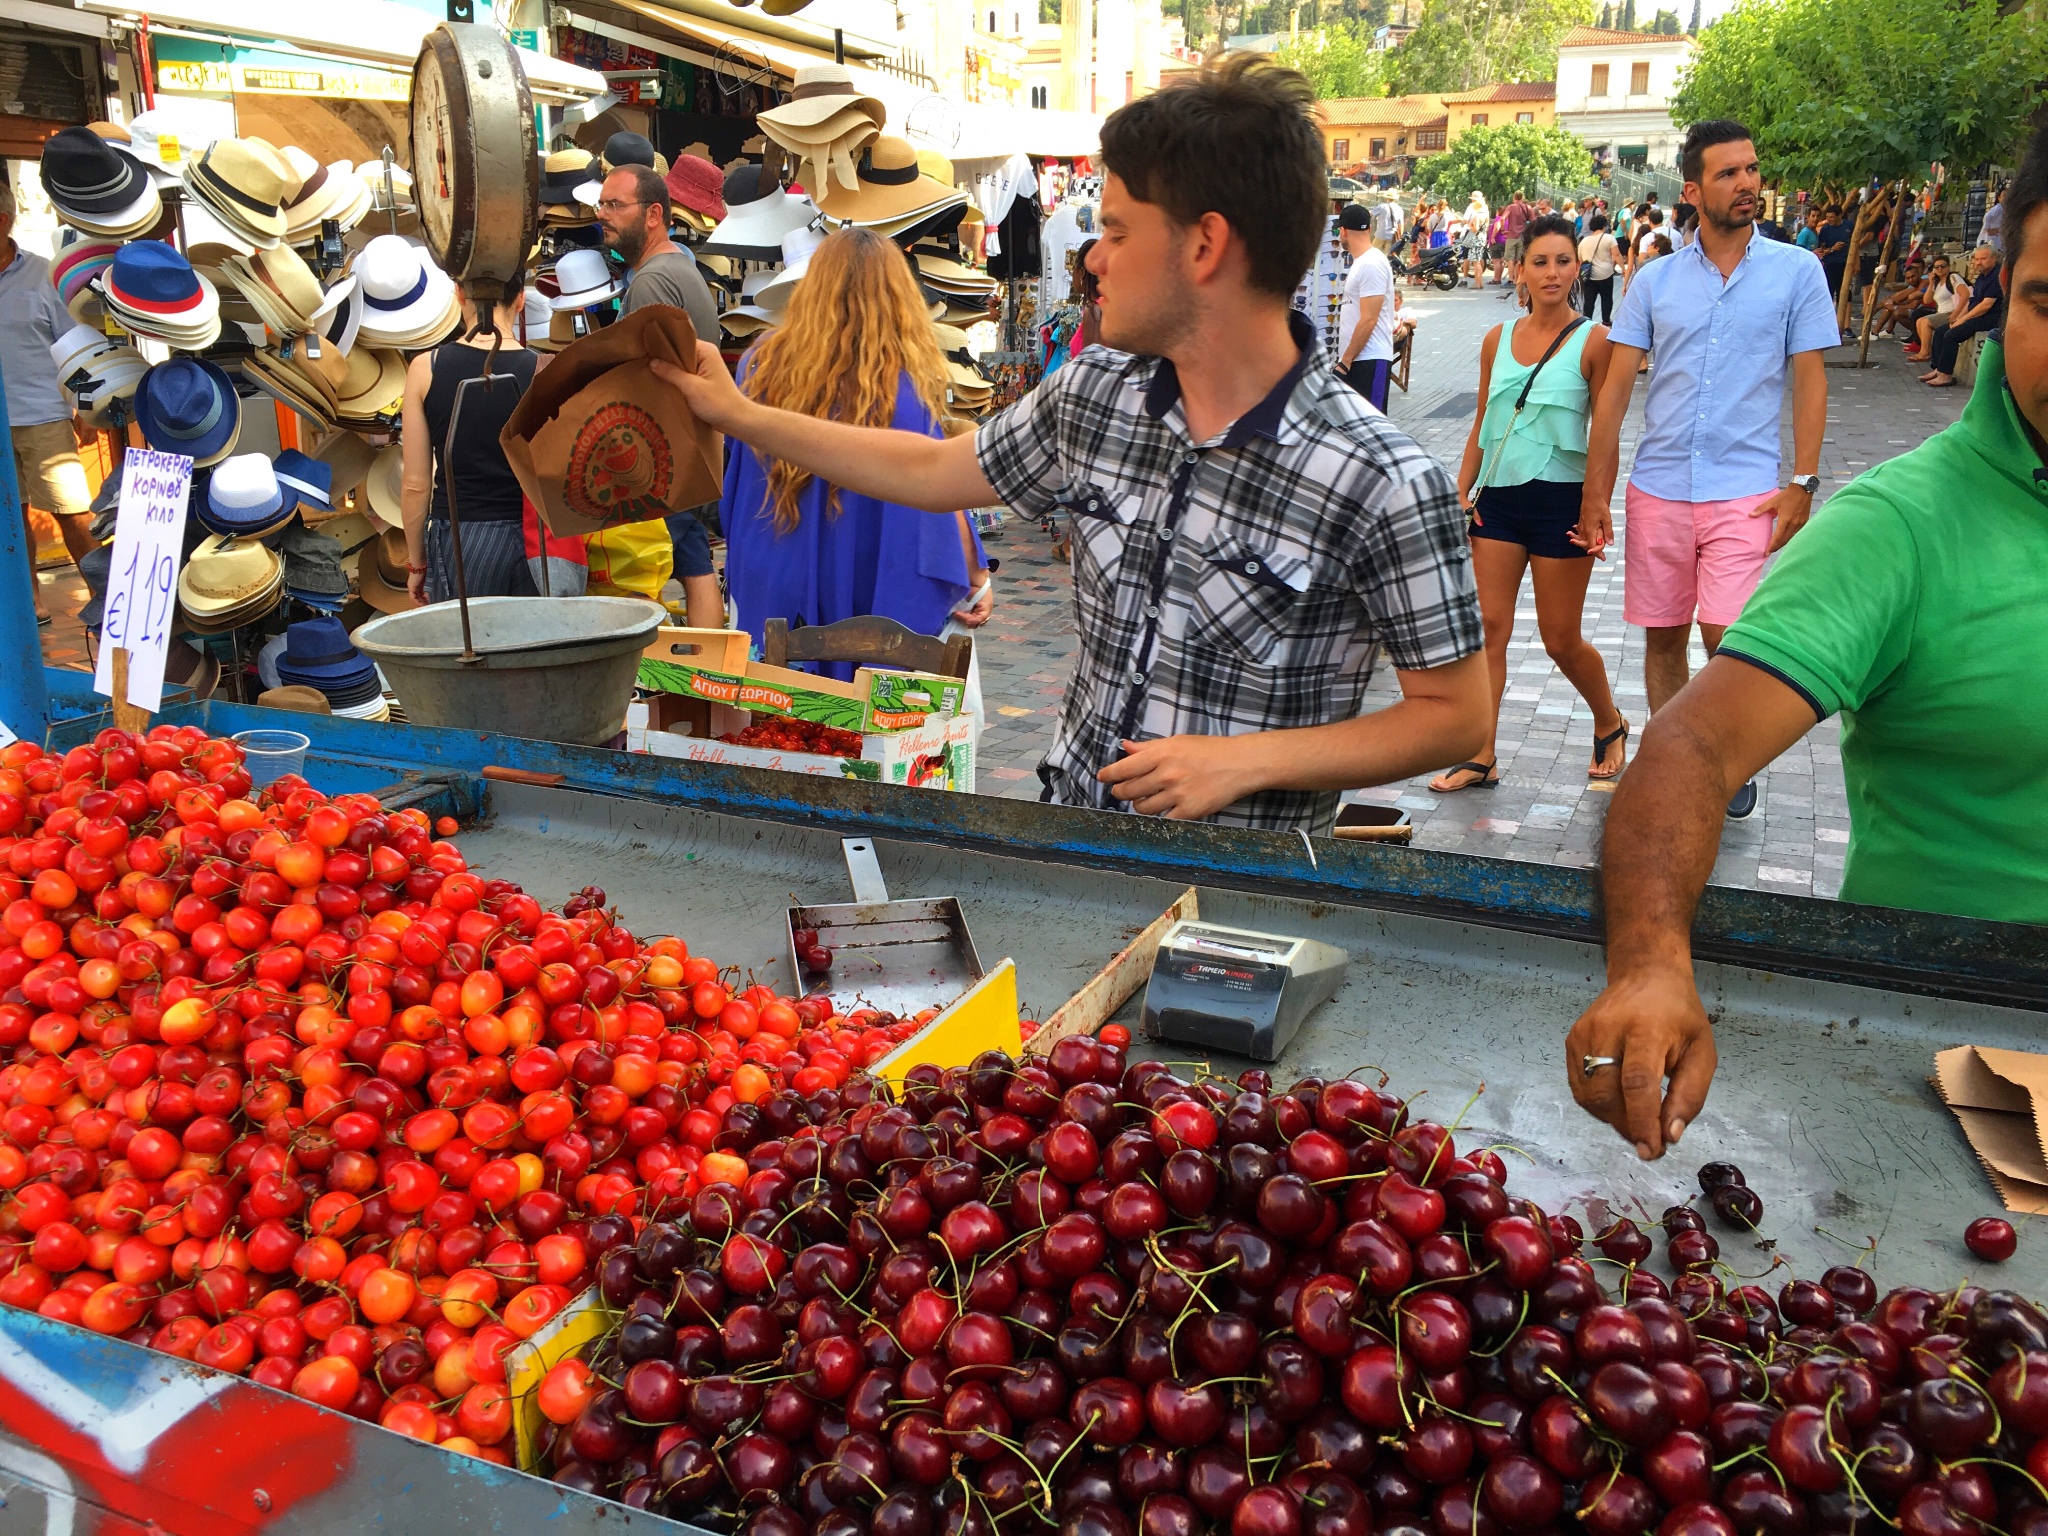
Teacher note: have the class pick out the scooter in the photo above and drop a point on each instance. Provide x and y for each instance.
(1439, 264)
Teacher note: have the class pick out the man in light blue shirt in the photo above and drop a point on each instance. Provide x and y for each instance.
(1728, 317)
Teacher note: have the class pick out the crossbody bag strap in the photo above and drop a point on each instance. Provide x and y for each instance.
(1522, 399)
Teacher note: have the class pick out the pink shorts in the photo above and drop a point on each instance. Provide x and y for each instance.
(1682, 559)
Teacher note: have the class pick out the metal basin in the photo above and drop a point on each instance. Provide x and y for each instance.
(547, 668)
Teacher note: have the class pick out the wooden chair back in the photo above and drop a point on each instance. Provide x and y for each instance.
(868, 641)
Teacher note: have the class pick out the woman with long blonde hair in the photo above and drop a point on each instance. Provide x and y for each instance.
(855, 345)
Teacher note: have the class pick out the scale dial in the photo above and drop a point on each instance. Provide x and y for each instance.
(474, 149)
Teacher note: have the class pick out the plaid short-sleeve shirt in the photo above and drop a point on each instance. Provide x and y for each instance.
(1242, 584)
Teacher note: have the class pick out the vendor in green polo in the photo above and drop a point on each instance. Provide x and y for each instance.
(1915, 605)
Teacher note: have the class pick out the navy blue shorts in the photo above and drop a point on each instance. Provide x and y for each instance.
(1370, 378)
(1539, 515)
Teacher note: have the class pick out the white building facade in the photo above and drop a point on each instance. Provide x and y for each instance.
(1614, 92)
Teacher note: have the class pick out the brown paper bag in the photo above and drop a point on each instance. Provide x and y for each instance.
(598, 440)
(2001, 1099)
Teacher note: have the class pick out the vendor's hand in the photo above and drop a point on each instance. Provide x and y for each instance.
(707, 388)
(976, 613)
(1595, 531)
(1184, 778)
(416, 586)
(1791, 507)
(1655, 1027)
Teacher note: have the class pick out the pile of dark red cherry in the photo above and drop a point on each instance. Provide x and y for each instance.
(1101, 1298)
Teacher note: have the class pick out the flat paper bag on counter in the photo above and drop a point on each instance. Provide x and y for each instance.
(598, 440)
(2001, 1099)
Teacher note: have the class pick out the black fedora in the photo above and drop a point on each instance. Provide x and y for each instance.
(82, 172)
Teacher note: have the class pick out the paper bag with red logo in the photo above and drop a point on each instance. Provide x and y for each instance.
(598, 440)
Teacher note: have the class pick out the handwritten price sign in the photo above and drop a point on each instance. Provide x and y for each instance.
(149, 542)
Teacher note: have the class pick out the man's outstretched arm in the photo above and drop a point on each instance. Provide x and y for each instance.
(936, 474)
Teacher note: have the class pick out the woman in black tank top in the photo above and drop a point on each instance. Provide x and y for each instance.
(486, 492)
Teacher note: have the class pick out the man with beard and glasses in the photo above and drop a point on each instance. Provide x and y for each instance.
(1247, 531)
(1729, 317)
(633, 210)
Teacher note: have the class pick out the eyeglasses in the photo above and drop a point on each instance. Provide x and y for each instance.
(613, 205)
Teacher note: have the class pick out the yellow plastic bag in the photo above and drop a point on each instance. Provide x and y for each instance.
(631, 560)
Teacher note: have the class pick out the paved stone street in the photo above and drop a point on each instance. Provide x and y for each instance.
(1544, 810)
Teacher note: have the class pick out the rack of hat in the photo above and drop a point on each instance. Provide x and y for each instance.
(184, 252)
(752, 234)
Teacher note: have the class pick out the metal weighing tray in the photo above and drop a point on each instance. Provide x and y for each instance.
(1464, 972)
(898, 956)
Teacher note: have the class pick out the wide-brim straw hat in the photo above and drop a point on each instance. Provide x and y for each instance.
(373, 385)
(305, 384)
(385, 486)
(243, 181)
(281, 287)
(405, 295)
(350, 458)
(744, 320)
(380, 573)
(225, 575)
(819, 92)
(892, 187)
(324, 192)
(584, 278)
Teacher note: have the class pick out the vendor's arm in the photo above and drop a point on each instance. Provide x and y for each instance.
(934, 474)
(1829, 627)
(1663, 834)
(1443, 715)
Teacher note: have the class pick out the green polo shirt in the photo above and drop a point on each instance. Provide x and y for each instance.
(1915, 604)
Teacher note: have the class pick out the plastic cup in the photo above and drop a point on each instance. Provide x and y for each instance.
(270, 755)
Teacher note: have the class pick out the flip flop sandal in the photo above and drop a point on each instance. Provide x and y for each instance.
(1600, 746)
(1489, 776)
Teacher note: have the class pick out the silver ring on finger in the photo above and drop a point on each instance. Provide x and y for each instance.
(1588, 1065)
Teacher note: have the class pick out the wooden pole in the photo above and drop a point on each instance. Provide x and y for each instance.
(132, 718)
(1885, 267)
(1866, 214)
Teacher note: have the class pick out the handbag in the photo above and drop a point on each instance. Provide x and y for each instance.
(1486, 470)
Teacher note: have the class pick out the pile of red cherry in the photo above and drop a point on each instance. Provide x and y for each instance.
(1099, 1297)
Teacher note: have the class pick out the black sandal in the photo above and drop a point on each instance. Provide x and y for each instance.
(1489, 776)
(1600, 746)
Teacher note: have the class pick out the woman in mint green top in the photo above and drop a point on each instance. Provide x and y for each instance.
(1525, 461)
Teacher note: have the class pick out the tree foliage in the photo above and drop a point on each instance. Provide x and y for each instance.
(1837, 91)
(1459, 44)
(1505, 160)
(1338, 61)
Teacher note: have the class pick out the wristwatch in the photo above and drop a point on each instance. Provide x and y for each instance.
(1807, 483)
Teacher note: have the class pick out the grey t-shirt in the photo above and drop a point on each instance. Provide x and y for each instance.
(672, 278)
(31, 318)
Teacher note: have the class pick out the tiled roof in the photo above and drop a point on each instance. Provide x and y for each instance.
(1609, 37)
(1381, 111)
(1527, 90)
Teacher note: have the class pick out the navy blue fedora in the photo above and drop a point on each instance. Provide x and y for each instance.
(188, 405)
(317, 652)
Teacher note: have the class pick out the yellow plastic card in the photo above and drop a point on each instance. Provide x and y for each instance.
(982, 1018)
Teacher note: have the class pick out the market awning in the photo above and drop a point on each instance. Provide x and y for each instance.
(381, 32)
(961, 130)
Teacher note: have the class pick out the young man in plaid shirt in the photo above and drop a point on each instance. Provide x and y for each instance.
(1248, 533)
